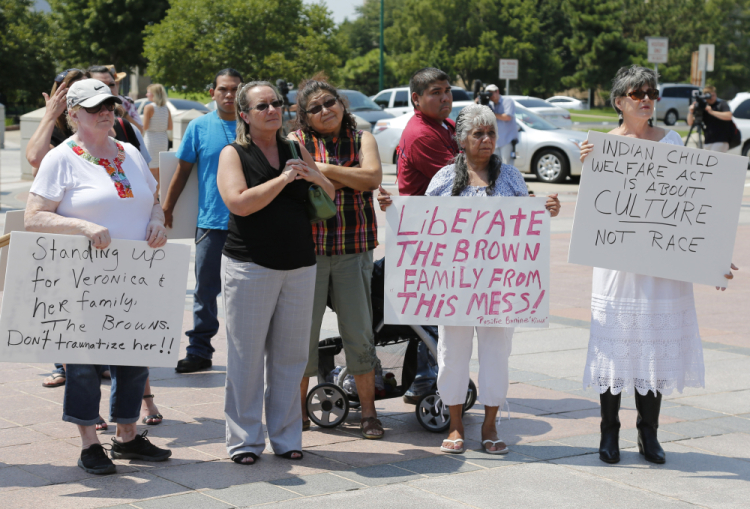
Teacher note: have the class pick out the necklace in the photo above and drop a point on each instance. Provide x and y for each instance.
(224, 130)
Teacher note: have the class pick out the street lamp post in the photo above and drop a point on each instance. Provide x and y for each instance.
(382, 10)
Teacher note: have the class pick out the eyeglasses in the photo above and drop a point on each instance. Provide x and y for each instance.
(110, 105)
(264, 106)
(60, 77)
(638, 95)
(319, 107)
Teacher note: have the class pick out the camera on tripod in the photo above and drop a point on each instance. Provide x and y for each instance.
(701, 100)
(484, 97)
(283, 87)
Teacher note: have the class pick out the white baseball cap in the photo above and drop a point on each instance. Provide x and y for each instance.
(491, 88)
(89, 93)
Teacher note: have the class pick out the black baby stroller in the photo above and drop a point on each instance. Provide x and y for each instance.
(328, 403)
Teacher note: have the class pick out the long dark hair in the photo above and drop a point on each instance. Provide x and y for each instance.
(306, 89)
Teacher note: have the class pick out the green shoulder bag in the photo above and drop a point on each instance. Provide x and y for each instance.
(319, 205)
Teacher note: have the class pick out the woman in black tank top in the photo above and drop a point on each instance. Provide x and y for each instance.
(268, 276)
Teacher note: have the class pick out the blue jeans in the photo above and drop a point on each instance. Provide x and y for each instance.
(208, 247)
(83, 393)
(426, 372)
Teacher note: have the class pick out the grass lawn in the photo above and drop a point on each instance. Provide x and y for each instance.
(201, 98)
(593, 114)
(8, 121)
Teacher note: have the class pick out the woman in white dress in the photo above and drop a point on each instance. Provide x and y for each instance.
(644, 330)
(156, 122)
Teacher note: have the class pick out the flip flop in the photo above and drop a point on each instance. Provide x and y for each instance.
(367, 426)
(494, 442)
(152, 417)
(237, 458)
(454, 442)
(55, 380)
(288, 455)
(102, 425)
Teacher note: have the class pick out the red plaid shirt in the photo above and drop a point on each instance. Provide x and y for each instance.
(354, 228)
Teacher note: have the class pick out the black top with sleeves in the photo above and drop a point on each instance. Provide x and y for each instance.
(278, 236)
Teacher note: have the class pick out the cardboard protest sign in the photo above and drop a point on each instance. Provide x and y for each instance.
(185, 215)
(68, 302)
(480, 261)
(657, 209)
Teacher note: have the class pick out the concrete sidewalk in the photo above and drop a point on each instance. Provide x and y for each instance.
(552, 433)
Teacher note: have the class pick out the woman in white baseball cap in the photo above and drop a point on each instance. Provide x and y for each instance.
(94, 186)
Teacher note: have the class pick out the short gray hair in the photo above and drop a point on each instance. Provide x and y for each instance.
(423, 78)
(470, 118)
(631, 78)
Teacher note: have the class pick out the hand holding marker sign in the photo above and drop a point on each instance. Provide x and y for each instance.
(657, 209)
(467, 261)
(68, 302)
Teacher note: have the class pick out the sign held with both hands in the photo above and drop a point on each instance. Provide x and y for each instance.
(67, 302)
(480, 261)
(657, 209)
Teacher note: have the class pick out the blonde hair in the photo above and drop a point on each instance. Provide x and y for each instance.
(160, 94)
(242, 104)
(72, 123)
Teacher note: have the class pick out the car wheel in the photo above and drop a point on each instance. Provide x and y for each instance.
(671, 117)
(550, 165)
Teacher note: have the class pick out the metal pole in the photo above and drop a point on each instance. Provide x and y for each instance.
(507, 86)
(382, 10)
(656, 71)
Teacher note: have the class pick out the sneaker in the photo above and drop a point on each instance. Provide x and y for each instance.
(411, 399)
(140, 448)
(192, 363)
(95, 461)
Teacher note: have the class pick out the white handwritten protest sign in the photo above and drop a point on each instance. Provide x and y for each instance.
(67, 302)
(481, 261)
(657, 209)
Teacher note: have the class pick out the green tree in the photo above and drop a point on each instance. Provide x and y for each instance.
(26, 62)
(597, 42)
(363, 32)
(104, 31)
(263, 39)
(363, 73)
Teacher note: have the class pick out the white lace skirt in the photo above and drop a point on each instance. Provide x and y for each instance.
(644, 335)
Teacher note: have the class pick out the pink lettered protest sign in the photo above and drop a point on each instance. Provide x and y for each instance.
(467, 261)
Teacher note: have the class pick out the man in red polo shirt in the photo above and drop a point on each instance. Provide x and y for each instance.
(427, 143)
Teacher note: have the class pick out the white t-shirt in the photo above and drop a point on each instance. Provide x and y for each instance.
(121, 202)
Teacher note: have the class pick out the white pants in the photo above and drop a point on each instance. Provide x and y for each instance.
(454, 355)
(719, 146)
(504, 153)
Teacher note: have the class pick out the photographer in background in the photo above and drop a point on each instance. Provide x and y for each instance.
(505, 113)
(717, 120)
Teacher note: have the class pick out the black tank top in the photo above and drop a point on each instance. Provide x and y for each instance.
(278, 236)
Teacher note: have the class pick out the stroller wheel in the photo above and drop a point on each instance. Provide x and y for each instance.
(471, 396)
(327, 405)
(432, 414)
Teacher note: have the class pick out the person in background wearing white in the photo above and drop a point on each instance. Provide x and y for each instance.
(156, 122)
(644, 334)
(507, 130)
(91, 185)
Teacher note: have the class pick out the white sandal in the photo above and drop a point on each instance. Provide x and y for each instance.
(454, 442)
(495, 442)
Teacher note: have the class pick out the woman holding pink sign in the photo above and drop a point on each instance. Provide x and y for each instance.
(644, 330)
(476, 171)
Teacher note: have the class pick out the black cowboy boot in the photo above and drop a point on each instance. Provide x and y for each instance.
(648, 421)
(609, 447)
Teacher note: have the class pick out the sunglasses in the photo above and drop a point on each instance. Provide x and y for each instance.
(638, 95)
(109, 105)
(60, 77)
(319, 107)
(264, 106)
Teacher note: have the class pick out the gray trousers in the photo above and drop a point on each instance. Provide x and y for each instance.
(268, 315)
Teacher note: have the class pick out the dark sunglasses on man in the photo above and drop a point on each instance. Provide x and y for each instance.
(109, 105)
(638, 95)
(319, 107)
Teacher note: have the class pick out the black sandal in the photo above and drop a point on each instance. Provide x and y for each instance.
(288, 455)
(237, 458)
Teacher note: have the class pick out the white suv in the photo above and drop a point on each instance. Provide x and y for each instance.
(674, 101)
(397, 101)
